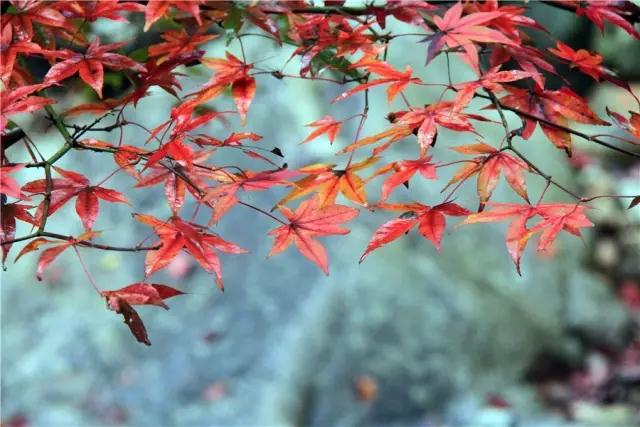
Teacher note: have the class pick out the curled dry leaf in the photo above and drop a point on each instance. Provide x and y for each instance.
(143, 294)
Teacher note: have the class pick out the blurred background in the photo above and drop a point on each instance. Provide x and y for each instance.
(411, 337)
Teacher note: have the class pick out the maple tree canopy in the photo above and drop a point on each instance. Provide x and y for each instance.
(335, 43)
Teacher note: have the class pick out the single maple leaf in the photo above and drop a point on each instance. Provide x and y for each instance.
(403, 171)
(517, 234)
(403, 10)
(233, 140)
(327, 125)
(242, 91)
(131, 318)
(631, 125)
(396, 80)
(92, 10)
(177, 42)
(223, 197)
(423, 122)
(589, 63)
(72, 185)
(229, 71)
(19, 100)
(263, 21)
(489, 166)
(177, 180)
(161, 74)
(511, 19)
(8, 185)
(177, 235)
(10, 47)
(143, 294)
(328, 182)
(90, 65)
(51, 253)
(557, 106)
(490, 81)
(456, 31)
(613, 12)
(156, 9)
(28, 12)
(9, 212)
(174, 149)
(528, 58)
(309, 221)
(556, 217)
(430, 220)
(95, 108)
(350, 42)
(125, 156)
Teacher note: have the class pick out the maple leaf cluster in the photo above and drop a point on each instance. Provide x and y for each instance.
(334, 43)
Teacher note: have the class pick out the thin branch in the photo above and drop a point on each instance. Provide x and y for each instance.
(11, 137)
(86, 244)
(560, 127)
(86, 271)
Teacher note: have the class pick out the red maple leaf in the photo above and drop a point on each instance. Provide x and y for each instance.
(8, 215)
(396, 80)
(176, 186)
(8, 185)
(229, 71)
(223, 197)
(402, 173)
(90, 64)
(131, 318)
(161, 73)
(327, 125)
(512, 17)
(177, 235)
(529, 58)
(142, 294)
(403, 10)
(308, 222)
(490, 81)
(177, 42)
(156, 9)
(589, 63)
(555, 106)
(350, 42)
(73, 185)
(10, 47)
(488, 167)
(28, 12)
(600, 11)
(430, 220)
(631, 125)
(556, 217)
(92, 10)
(51, 253)
(19, 100)
(328, 182)
(456, 31)
(423, 122)
(121, 300)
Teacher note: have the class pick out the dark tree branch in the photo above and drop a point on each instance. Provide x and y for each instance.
(12, 137)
